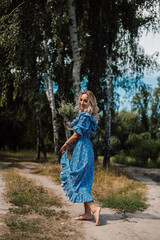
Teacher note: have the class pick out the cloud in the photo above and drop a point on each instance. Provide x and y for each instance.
(151, 43)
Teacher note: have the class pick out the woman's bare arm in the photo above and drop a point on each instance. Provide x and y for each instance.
(73, 138)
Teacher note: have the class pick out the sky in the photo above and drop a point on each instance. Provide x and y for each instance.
(151, 44)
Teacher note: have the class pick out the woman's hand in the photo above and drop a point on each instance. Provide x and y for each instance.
(68, 123)
(64, 148)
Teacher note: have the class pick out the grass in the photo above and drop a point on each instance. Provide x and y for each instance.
(32, 215)
(111, 187)
(23, 192)
(22, 156)
(123, 159)
(51, 170)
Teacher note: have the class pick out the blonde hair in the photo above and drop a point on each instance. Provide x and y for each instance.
(92, 106)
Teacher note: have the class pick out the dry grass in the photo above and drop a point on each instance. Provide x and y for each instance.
(50, 170)
(22, 156)
(34, 216)
(112, 188)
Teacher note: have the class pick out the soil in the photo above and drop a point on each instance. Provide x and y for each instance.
(113, 226)
(4, 205)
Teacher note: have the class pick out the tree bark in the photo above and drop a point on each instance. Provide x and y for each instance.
(75, 49)
(40, 140)
(51, 98)
(67, 131)
(106, 161)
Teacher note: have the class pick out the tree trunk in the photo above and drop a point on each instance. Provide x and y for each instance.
(75, 49)
(51, 98)
(40, 140)
(67, 131)
(106, 161)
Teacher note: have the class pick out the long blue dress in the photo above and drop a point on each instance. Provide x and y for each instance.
(77, 174)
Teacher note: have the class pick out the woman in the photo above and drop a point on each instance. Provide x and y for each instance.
(77, 175)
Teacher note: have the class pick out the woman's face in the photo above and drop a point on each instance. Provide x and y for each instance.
(84, 101)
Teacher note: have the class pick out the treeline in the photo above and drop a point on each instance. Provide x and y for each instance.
(49, 49)
(137, 133)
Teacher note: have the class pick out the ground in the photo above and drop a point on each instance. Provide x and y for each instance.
(113, 226)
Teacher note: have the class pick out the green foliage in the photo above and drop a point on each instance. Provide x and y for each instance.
(48, 144)
(120, 158)
(67, 111)
(140, 103)
(115, 145)
(124, 123)
(33, 218)
(124, 202)
(23, 193)
(26, 195)
(143, 148)
(105, 26)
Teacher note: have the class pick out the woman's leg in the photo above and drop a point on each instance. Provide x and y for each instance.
(95, 210)
(87, 215)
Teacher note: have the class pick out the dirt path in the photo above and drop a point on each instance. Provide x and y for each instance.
(4, 206)
(138, 226)
(113, 226)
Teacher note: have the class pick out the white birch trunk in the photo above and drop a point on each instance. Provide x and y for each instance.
(51, 98)
(108, 113)
(75, 49)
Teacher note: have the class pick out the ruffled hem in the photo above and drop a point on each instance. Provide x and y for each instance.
(67, 185)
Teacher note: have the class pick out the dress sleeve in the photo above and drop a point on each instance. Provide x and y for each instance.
(74, 122)
(82, 126)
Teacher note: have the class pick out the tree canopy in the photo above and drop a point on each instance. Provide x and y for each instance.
(106, 30)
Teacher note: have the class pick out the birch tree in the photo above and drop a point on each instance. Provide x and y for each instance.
(114, 27)
(50, 95)
(106, 160)
(75, 49)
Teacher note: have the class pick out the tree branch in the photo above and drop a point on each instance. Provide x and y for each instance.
(16, 8)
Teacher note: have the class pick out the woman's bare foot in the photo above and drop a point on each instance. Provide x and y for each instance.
(96, 215)
(84, 217)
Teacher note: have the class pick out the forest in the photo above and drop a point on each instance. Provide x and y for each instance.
(51, 50)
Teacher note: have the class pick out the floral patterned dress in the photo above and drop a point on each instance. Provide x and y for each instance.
(77, 174)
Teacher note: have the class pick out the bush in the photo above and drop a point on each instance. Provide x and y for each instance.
(120, 158)
(143, 148)
(115, 145)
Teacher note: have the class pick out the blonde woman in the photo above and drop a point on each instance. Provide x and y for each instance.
(77, 174)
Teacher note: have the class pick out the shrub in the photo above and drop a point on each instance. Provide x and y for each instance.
(142, 147)
(115, 145)
(120, 158)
